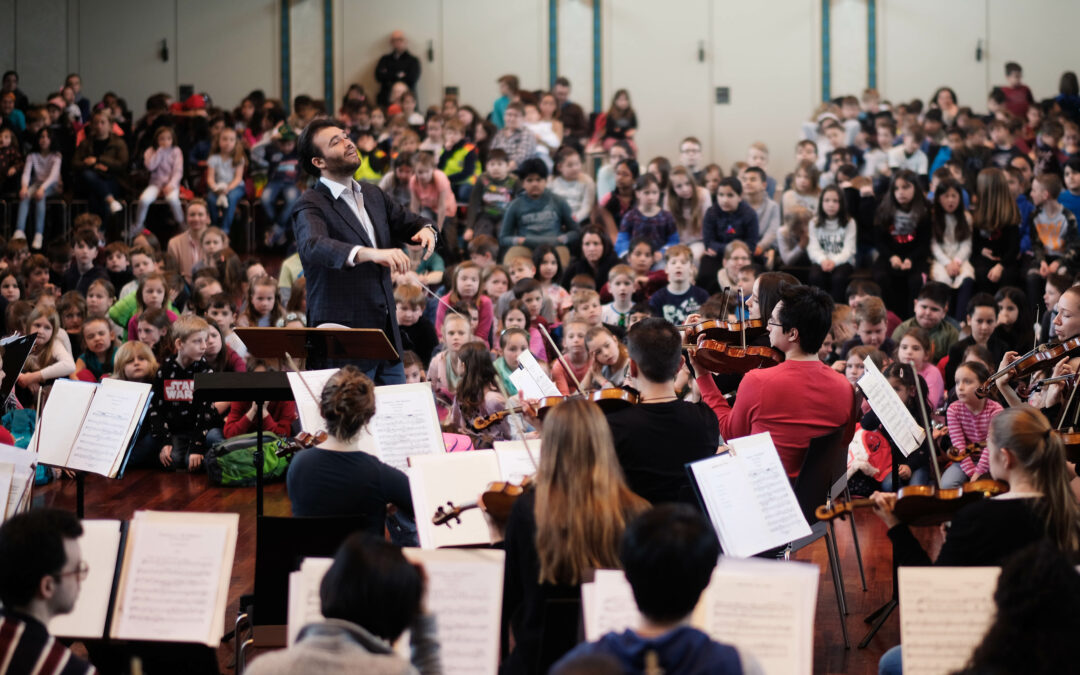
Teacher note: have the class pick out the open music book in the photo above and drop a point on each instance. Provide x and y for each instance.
(531, 380)
(163, 577)
(464, 594)
(460, 478)
(16, 479)
(90, 427)
(748, 497)
(944, 614)
(892, 412)
(405, 423)
(761, 606)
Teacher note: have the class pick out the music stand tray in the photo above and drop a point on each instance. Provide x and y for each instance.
(321, 343)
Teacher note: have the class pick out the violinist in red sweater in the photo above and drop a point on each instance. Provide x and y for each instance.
(800, 399)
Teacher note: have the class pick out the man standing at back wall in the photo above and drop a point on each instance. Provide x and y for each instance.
(349, 236)
(397, 66)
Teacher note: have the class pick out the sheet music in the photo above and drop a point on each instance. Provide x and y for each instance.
(458, 477)
(100, 547)
(608, 604)
(766, 608)
(305, 604)
(7, 475)
(306, 406)
(176, 577)
(108, 426)
(24, 463)
(749, 498)
(465, 595)
(61, 420)
(944, 614)
(894, 415)
(531, 380)
(406, 423)
(515, 462)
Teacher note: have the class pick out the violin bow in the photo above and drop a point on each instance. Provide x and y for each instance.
(520, 419)
(742, 319)
(923, 405)
(292, 366)
(562, 359)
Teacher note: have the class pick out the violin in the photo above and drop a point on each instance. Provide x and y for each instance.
(923, 504)
(725, 331)
(301, 441)
(972, 450)
(1071, 439)
(722, 357)
(497, 501)
(609, 400)
(1042, 357)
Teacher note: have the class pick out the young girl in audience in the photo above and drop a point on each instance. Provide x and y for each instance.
(40, 179)
(995, 242)
(855, 363)
(263, 307)
(165, 162)
(10, 286)
(660, 168)
(215, 249)
(151, 294)
(465, 288)
(573, 184)
(914, 349)
(496, 282)
(442, 373)
(220, 356)
(969, 418)
(516, 315)
(577, 357)
(688, 202)
(153, 331)
(225, 178)
(48, 359)
(11, 159)
(135, 362)
(903, 225)
(951, 243)
(1015, 322)
(804, 190)
(611, 361)
(831, 244)
(549, 273)
(571, 523)
(1056, 284)
(414, 367)
(621, 122)
(100, 351)
(647, 219)
(477, 394)
(617, 203)
(711, 180)
(513, 342)
(72, 310)
(100, 296)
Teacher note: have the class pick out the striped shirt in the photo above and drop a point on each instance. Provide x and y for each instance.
(43, 170)
(26, 647)
(966, 427)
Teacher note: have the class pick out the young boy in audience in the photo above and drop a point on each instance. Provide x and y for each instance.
(459, 160)
(931, 310)
(396, 182)
(680, 298)
(417, 333)
(668, 554)
(730, 219)
(491, 196)
(1053, 230)
(517, 141)
(484, 251)
(1018, 97)
(646, 280)
(860, 289)
(757, 157)
(981, 321)
(117, 264)
(756, 196)
(621, 284)
(871, 327)
(84, 272)
(522, 267)
(220, 310)
(1004, 148)
(587, 308)
(178, 423)
(907, 155)
(538, 216)
(1070, 196)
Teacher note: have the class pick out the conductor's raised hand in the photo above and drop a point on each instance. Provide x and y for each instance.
(394, 258)
(426, 238)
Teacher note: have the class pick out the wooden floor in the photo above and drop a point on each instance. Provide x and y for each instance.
(154, 490)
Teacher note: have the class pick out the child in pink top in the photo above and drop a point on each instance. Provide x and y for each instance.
(914, 349)
(465, 288)
(969, 422)
(431, 194)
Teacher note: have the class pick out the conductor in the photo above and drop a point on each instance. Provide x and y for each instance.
(349, 236)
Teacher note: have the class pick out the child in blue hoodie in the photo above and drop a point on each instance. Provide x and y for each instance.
(731, 218)
(668, 553)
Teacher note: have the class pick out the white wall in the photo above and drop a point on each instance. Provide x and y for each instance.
(306, 49)
(1038, 34)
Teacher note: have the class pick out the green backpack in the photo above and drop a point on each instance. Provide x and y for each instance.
(231, 463)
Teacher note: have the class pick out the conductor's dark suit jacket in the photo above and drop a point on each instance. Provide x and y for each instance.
(326, 231)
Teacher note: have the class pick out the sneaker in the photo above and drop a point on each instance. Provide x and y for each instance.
(115, 206)
(18, 234)
(36, 245)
